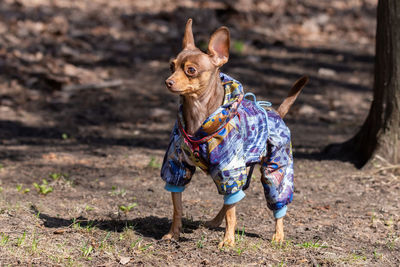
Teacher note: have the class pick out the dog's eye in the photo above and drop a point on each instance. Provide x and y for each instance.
(191, 71)
(172, 66)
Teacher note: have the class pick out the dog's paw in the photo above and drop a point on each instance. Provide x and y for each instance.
(278, 237)
(227, 242)
(171, 235)
(214, 223)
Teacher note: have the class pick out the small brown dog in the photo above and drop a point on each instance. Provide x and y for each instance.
(204, 90)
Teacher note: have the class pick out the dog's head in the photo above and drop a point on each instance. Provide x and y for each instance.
(192, 69)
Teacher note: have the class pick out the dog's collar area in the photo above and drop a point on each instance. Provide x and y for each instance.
(217, 121)
(195, 142)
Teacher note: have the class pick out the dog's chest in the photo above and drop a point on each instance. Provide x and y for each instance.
(242, 140)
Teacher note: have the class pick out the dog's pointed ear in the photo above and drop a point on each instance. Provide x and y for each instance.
(218, 47)
(188, 40)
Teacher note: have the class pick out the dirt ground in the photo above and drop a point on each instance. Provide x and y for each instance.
(85, 120)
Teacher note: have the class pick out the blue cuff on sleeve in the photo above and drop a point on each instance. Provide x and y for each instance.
(233, 198)
(280, 213)
(174, 188)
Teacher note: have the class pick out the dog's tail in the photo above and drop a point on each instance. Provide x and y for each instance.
(291, 97)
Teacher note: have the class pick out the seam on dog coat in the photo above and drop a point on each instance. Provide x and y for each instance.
(237, 134)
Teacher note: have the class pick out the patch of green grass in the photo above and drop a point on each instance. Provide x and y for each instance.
(200, 242)
(117, 191)
(63, 177)
(44, 188)
(373, 218)
(239, 235)
(87, 249)
(136, 242)
(121, 237)
(288, 244)
(76, 224)
(89, 226)
(391, 240)
(21, 190)
(55, 176)
(1, 166)
(82, 225)
(56, 259)
(153, 163)
(127, 208)
(351, 258)
(377, 256)
(103, 242)
(4, 239)
(239, 251)
(311, 245)
(35, 243)
(241, 244)
(88, 208)
(256, 246)
(37, 215)
(21, 240)
(145, 247)
(357, 257)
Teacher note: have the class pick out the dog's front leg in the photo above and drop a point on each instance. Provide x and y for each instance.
(176, 225)
(230, 218)
(279, 234)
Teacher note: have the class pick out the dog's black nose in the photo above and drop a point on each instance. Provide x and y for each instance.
(169, 83)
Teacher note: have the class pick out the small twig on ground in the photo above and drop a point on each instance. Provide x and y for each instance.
(386, 168)
(388, 165)
(382, 159)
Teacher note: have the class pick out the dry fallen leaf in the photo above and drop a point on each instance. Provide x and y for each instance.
(124, 260)
(59, 231)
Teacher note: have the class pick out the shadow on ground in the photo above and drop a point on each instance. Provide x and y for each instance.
(150, 226)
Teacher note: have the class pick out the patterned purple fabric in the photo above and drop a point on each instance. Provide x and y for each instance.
(245, 133)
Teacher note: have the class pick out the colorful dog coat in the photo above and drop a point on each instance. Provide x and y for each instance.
(238, 134)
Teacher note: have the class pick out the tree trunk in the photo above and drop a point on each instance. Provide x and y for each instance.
(380, 134)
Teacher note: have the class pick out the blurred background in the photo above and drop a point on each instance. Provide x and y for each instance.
(95, 70)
